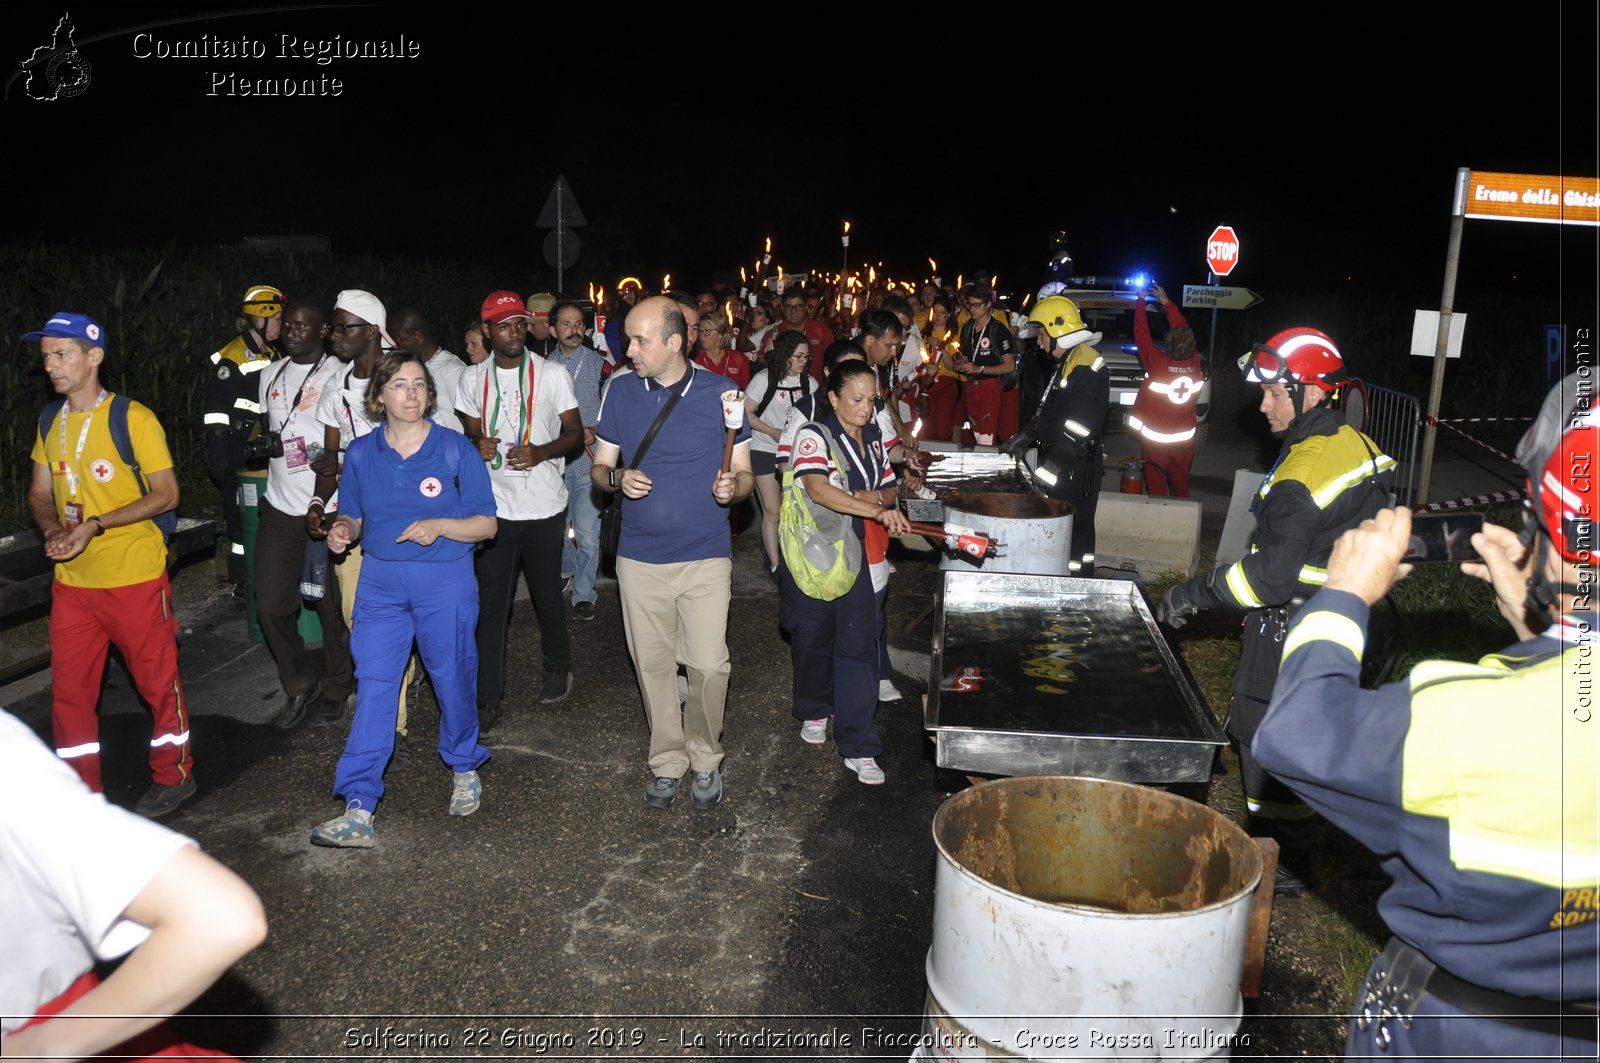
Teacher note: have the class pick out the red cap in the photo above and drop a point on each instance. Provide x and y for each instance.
(503, 306)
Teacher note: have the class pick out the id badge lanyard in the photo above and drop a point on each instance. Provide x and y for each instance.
(70, 468)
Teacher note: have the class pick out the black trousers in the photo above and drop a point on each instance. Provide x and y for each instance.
(1275, 810)
(224, 456)
(533, 548)
(280, 552)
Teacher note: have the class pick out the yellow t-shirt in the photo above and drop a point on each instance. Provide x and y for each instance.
(123, 556)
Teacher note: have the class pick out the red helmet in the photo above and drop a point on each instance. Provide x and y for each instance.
(1295, 356)
(1559, 453)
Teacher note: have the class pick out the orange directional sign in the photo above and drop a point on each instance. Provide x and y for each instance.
(1554, 200)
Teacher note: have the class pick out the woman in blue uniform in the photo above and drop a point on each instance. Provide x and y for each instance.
(834, 645)
(416, 497)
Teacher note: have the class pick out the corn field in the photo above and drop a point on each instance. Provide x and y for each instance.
(165, 310)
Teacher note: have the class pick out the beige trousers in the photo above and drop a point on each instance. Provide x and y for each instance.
(672, 614)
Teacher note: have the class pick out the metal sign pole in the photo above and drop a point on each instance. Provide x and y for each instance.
(561, 240)
(1452, 260)
(1211, 278)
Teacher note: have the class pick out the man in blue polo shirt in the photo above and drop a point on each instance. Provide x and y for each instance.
(674, 567)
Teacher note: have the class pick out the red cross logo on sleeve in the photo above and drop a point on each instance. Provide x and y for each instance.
(430, 487)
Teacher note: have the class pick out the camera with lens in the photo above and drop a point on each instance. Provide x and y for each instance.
(266, 445)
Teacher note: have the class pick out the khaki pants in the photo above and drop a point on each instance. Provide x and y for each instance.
(349, 576)
(679, 613)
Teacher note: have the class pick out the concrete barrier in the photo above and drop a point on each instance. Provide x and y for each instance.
(1155, 534)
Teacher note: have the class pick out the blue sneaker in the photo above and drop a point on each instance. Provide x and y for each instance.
(464, 793)
(353, 830)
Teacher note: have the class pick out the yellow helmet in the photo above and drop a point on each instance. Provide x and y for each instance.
(263, 300)
(1059, 317)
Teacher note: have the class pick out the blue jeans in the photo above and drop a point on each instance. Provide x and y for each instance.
(581, 561)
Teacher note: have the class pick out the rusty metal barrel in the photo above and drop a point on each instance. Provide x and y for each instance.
(1034, 534)
(1086, 918)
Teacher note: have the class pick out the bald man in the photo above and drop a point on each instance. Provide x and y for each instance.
(674, 562)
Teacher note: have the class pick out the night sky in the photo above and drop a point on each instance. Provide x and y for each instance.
(1327, 135)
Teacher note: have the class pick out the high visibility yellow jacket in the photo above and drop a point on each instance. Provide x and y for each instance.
(233, 390)
(1328, 479)
(1476, 784)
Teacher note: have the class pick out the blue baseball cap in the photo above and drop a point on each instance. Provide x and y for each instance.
(66, 326)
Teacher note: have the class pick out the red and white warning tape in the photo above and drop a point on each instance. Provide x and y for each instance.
(1482, 420)
(1471, 501)
(1502, 455)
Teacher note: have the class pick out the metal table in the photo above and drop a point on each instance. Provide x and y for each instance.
(1056, 675)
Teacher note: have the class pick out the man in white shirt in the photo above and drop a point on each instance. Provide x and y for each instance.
(290, 392)
(411, 331)
(520, 410)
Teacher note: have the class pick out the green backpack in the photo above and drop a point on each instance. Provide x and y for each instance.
(819, 546)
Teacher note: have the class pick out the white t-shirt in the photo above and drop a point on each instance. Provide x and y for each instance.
(536, 493)
(69, 864)
(344, 407)
(290, 480)
(776, 414)
(446, 370)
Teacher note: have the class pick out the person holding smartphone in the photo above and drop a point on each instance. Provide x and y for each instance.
(1475, 783)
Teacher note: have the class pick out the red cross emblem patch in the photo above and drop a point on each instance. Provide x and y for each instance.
(430, 487)
(808, 446)
(102, 470)
(1182, 388)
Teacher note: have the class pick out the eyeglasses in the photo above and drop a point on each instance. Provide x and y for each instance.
(339, 326)
(402, 387)
(977, 304)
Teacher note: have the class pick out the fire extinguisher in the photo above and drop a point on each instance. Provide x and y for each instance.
(1133, 477)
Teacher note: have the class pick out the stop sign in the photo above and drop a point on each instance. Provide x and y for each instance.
(1222, 250)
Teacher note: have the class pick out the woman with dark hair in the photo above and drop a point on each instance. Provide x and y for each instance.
(772, 393)
(841, 462)
(416, 497)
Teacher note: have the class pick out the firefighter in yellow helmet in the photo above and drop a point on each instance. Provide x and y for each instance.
(232, 412)
(1069, 421)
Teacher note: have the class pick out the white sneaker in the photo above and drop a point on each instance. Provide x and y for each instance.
(465, 791)
(814, 732)
(887, 691)
(866, 769)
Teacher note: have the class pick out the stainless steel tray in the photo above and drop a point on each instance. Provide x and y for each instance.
(1045, 675)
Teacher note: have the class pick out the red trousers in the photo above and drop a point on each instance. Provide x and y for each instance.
(945, 410)
(84, 623)
(1166, 468)
(158, 1041)
(983, 407)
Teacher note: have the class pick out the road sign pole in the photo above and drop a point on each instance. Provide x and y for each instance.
(1211, 278)
(1452, 260)
(561, 244)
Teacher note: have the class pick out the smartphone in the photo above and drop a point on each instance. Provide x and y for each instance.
(1443, 537)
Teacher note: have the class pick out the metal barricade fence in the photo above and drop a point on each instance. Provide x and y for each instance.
(1394, 421)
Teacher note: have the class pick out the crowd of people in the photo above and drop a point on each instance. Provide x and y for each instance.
(434, 481)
